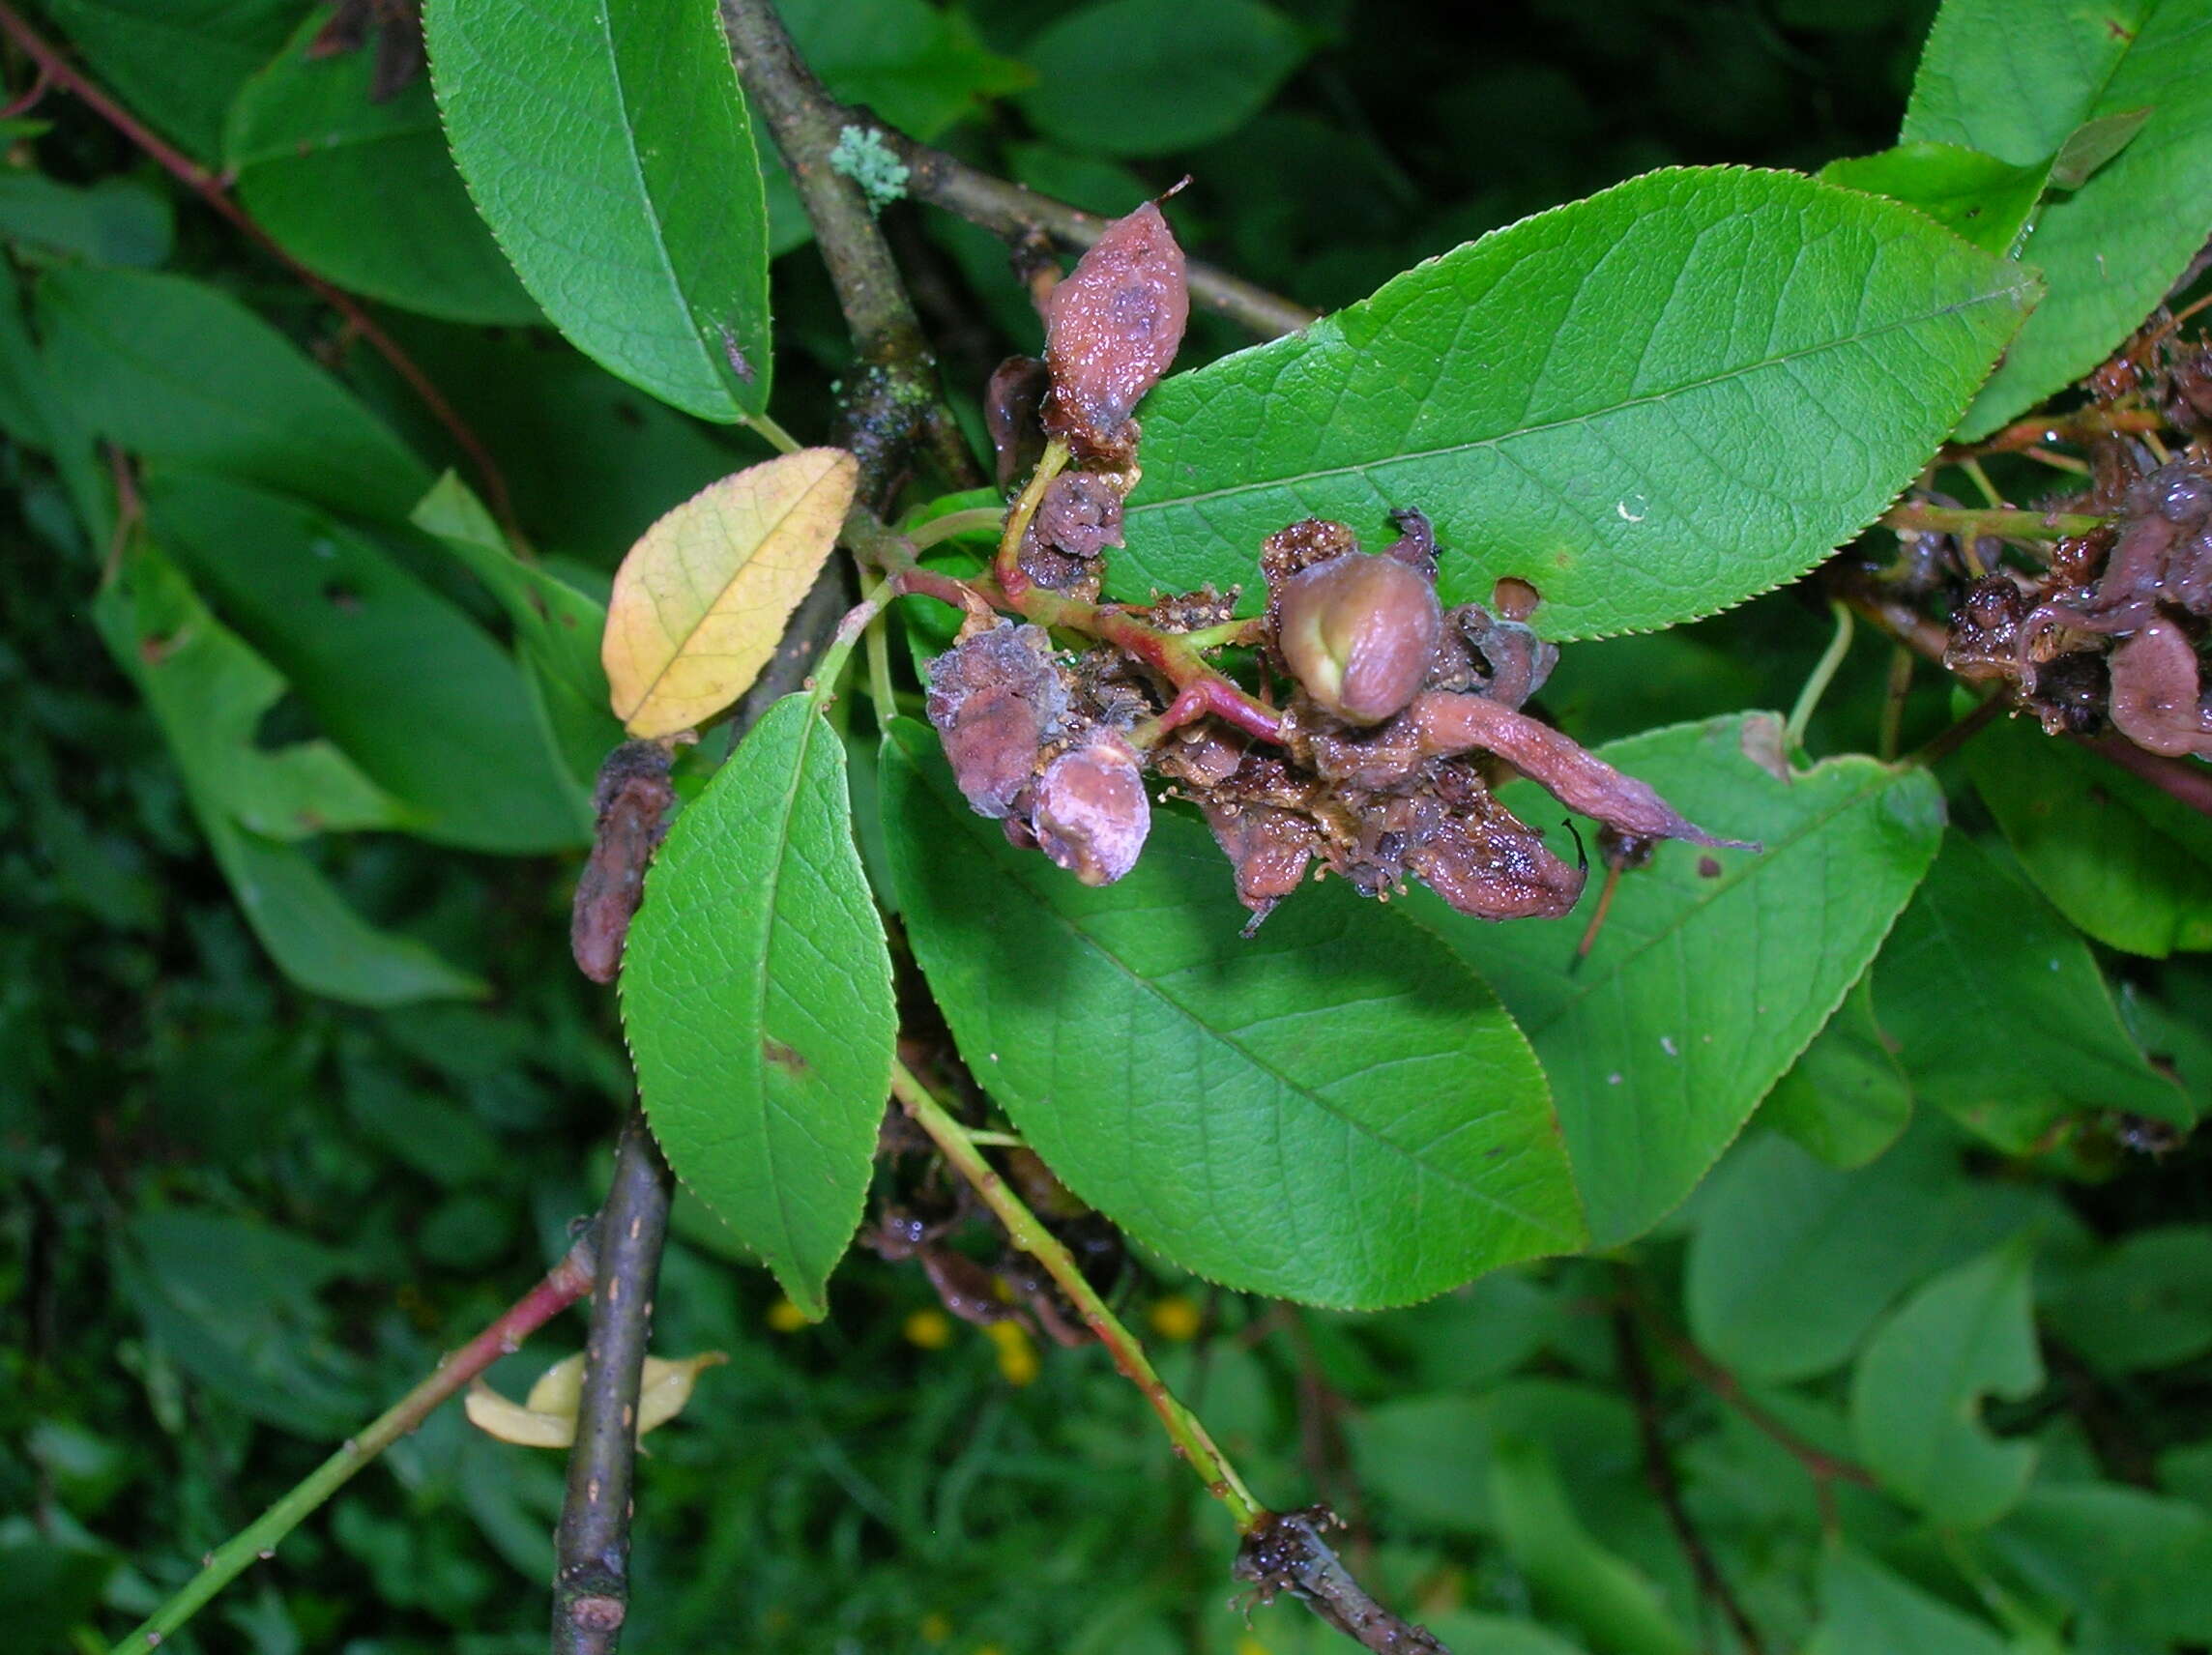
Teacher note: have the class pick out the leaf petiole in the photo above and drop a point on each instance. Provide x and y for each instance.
(1817, 685)
(962, 1150)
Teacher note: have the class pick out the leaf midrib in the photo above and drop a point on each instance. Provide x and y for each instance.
(679, 650)
(603, 17)
(1499, 438)
(772, 883)
(1043, 899)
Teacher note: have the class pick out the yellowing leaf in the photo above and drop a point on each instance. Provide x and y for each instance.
(547, 1417)
(703, 596)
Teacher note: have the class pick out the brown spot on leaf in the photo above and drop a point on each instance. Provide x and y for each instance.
(1761, 744)
(784, 1058)
(1709, 869)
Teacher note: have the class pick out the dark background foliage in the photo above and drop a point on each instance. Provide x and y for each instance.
(240, 1218)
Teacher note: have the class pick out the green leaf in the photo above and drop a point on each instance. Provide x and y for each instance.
(1998, 1012)
(1609, 1598)
(1651, 404)
(590, 460)
(2093, 144)
(198, 676)
(1713, 969)
(557, 628)
(2168, 1014)
(173, 371)
(364, 192)
(398, 679)
(1847, 1098)
(2129, 864)
(209, 692)
(2131, 1570)
(1334, 1111)
(2020, 78)
(1792, 1261)
(1868, 1611)
(918, 66)
(234, 1302)
(608, 148)
(2144, 1302)
(1984, 199)
(116, 220)
(1916, 1392)
(1137, 77)
(756, 994)
(315, 937)
(177, 63)
(1428, 1459)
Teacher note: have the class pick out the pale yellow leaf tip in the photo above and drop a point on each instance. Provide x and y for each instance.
(547, 1417)
(701, 600)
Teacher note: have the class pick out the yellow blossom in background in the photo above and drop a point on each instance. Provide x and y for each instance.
(1017, 1356)
(1175, 1316)
(931, 1329)
(785, 1316)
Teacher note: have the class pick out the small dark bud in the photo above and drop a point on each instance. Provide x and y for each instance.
(2072, 692)
(1984, 641)
(996, 700)
(1624, 852)
(1357, 632)
(1111, 330)
(1091, 813)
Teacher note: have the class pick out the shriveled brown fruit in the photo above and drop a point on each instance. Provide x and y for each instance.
(996, 700)
(1560, 766)
(1268, 847)
(1357, 632)
(1078, 518)
(1111, 330)
(1488, 863)
(2158, 699)
(1092, 814)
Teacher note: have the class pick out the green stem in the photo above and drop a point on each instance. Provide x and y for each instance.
(1815, 686)
(1023, 1229)
(1008, 567)
(777, 438)
(2010, 525)
(880, 688)
(1973, 468)
(967, 522)
(564, 1285)
(832, 662)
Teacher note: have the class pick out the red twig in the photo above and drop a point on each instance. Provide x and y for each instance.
(214, 190)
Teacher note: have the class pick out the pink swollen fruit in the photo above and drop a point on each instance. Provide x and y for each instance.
(1111, 330)
(1358, 632)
